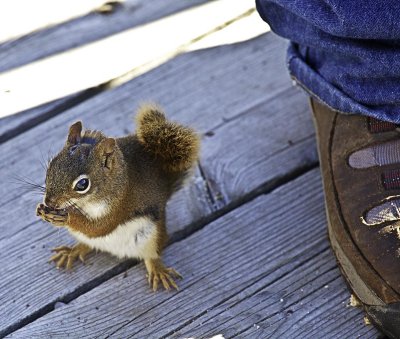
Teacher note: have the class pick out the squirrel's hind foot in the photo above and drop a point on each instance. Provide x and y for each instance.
(65, 255)
(157, 272)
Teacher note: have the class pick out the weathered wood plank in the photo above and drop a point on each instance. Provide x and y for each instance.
(16, 17)
(230, 175)
(101, 61)
(107, 66)
(202, 88)
(251, 270)
(79, 31)
(71, 34)
(311, 300)
(25, 255)
(13, 125)
(10, 126)
(85, 29)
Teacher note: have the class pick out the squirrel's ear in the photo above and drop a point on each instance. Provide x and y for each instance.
(105, 150)
(74, 134)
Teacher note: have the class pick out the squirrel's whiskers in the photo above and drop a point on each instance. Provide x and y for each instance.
(28, 185)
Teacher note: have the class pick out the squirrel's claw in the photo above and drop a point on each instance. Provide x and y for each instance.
(55, 217)
(158, 272)
(66, 256)
(61, 248)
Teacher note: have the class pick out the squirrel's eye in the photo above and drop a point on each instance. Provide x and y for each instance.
(82, 185)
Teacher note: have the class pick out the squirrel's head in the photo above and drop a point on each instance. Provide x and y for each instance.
(87, 172)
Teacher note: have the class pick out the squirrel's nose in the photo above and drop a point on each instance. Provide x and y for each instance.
(50, 202)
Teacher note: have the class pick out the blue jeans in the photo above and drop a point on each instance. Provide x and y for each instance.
(346, 53)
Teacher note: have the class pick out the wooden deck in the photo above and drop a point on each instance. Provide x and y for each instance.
(249, 232)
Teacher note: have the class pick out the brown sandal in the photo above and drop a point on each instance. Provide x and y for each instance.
(360, 164)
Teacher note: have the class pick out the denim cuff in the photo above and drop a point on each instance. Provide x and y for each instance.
(316, 86)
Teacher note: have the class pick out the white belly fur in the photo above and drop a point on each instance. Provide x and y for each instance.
(133, 239)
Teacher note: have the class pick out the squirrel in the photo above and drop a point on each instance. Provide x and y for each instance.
(111, 193)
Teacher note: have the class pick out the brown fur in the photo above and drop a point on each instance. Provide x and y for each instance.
(175, 145)
(135, 175)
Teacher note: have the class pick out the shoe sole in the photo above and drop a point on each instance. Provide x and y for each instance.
(385, 317)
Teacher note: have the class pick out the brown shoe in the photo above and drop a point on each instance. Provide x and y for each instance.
(360, 164)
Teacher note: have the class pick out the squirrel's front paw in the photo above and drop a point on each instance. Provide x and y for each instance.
(158, 272)
(65, 255)
(53, 216)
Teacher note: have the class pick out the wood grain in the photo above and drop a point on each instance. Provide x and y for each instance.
(274, 132)
(16, 124)
(71, 34)
(262, 270)
(85, 29)
(17, 19)
(134, 50)
(94, 65)
(205, 89)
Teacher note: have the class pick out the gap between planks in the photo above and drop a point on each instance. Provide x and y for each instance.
(12, 126)
(275, 278)
(17, 124)
(228, 110)
(58, 73)
(178, 236)
(90, 26)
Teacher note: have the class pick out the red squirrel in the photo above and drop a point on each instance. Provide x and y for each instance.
(111, 193)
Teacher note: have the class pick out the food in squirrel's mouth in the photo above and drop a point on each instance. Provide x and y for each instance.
(48, 209)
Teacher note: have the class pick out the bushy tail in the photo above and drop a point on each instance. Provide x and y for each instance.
(175, 145)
